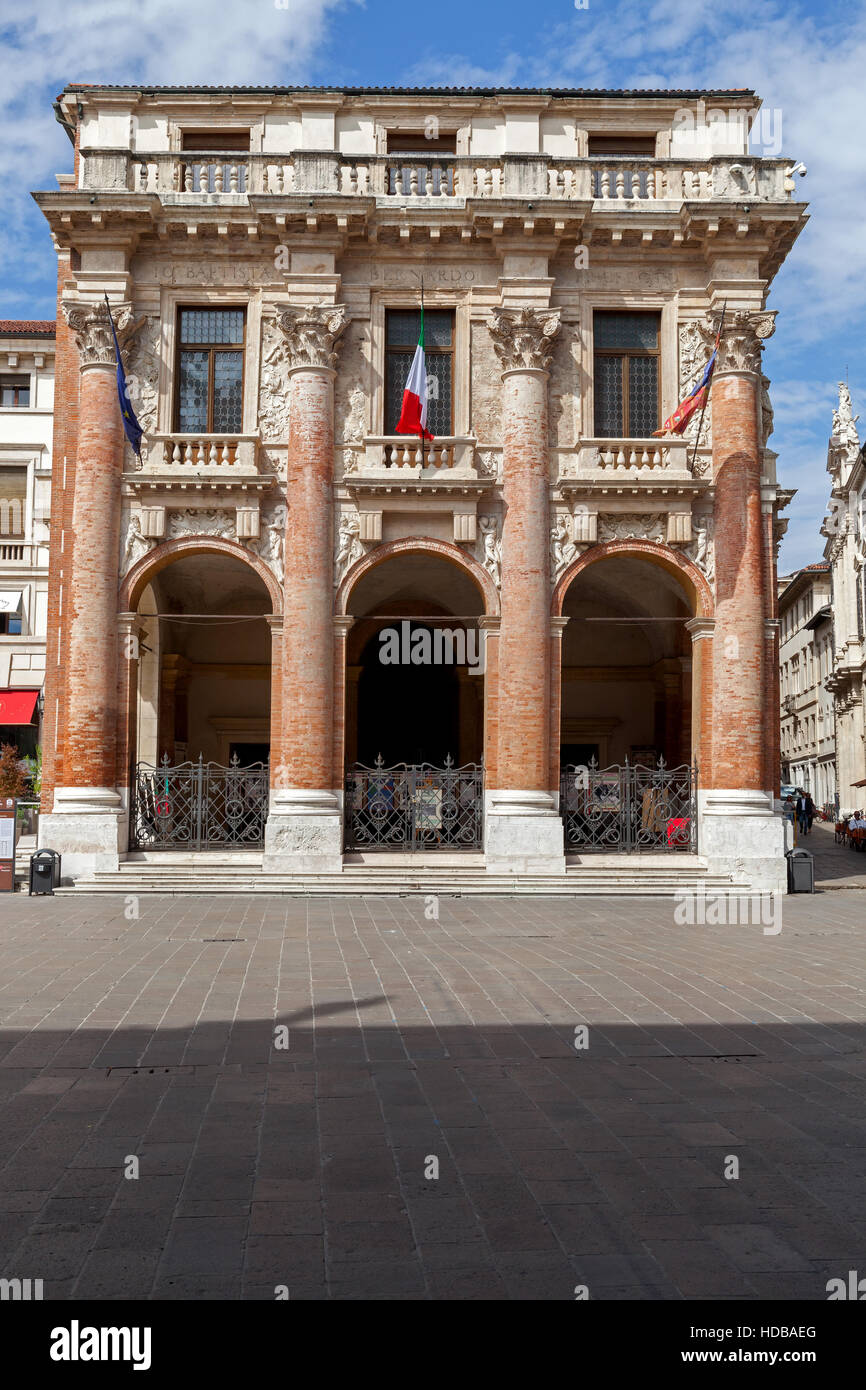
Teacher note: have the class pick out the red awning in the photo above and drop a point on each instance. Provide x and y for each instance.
(17, 706)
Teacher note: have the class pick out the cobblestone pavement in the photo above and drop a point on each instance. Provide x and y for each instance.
(152, 1040)
(836, 866)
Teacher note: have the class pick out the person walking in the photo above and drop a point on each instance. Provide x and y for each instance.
(802, 813)
(810, 812)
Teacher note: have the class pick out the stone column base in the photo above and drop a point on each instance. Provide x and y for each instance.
(523, 833)
(304, 833)
(740, 833)
(85, 826)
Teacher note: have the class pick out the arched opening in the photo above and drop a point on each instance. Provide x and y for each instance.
(415, 680)
(202, 704)
(414, 713)
(626, 707)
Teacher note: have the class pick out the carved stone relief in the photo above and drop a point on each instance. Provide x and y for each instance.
(694, 356)
(349, 547)
(142, 376)
(275, 395)
(270, 544)
(134, 544)
(489, 547)
(702, 548)
(563, 547)
(192, 522)
(486, 387)
(621, 526)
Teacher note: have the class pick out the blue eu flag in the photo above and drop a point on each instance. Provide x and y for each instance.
(130, 424)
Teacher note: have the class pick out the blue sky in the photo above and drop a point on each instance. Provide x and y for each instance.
(806, 60)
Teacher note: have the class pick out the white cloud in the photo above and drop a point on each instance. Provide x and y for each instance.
(46, 46)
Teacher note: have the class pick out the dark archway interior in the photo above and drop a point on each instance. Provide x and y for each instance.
(626, 665)
(407, 712)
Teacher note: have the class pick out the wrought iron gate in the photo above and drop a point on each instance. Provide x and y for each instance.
(629, 808)
(412, 807)
(194, 806)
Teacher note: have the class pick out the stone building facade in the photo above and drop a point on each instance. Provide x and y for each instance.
(264, 251)
(845, 552)
(26, 434)
(806, 659)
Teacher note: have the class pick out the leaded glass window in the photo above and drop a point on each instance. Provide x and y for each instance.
(627, 383)
(210, 371)
(402, 328)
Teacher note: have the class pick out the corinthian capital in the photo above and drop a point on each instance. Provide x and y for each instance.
(524, 337)
(92, 329)
(311, 334)
(742, 338)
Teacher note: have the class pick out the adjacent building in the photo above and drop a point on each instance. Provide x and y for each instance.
(845, 551)
(26, 436)
(808, 742)
(220, 608)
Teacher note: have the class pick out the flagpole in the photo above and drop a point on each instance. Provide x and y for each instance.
(425, 373)
(706, 397)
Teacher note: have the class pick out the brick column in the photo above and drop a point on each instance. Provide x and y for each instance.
(740, 832)
(85, 823)
(304, 830)
(523, 832)
(275, 623)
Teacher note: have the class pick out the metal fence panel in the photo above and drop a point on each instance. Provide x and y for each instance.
(199, 806)
(630, 808)
(414, 807)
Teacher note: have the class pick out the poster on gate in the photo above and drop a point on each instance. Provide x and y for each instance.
(8, 826)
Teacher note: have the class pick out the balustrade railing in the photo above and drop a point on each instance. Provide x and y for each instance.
(198, 451)
(391, 454)
(614, 454)
(611, 179)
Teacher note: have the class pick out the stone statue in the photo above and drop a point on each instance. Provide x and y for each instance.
(491, 547)
(563, 548)
(137, 544)
(349, 547)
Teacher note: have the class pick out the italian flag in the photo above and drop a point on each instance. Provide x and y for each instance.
(413, 416)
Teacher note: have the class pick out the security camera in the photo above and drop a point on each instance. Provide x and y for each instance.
(798, 169)
(747, 209)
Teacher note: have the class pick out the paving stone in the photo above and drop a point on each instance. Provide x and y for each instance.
(555, 1168)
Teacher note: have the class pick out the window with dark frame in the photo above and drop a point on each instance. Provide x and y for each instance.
(210, 371)
(402, 329)
(627, 377)
(14, 390)
(221, 141)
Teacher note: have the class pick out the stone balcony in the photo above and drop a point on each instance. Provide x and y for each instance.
(385, 473)
(428, 180)
(631, 465)
(199, 463)
(400, 458)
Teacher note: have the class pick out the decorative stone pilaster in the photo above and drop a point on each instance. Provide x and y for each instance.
(739, 832)
(523, 832)
(86, 819)
(304, 829)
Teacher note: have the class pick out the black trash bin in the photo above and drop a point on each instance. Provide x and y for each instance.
(801, 871)
(44, 871)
